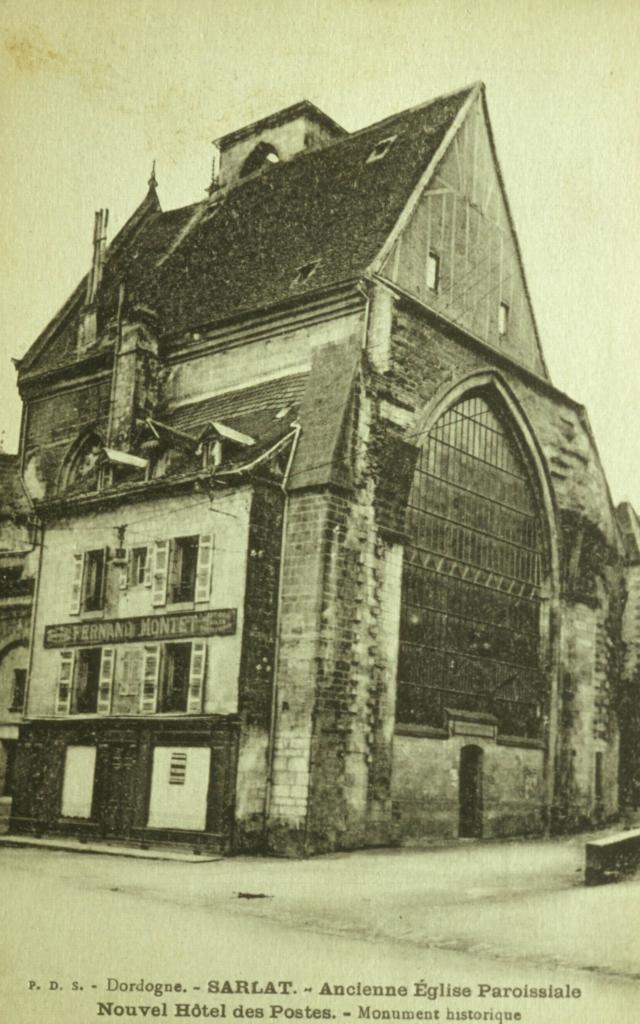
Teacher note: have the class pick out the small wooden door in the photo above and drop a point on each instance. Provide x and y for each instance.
(470, 792)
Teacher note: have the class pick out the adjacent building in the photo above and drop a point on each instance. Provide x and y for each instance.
(327, 559)
(18, 563)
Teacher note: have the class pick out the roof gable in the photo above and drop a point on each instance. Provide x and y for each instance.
(459, 220)
(56, 344)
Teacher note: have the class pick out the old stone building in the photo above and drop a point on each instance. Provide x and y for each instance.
(327, 558)
(18, 560)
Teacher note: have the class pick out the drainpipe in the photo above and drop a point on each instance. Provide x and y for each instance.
(276, 653)
(34, 609)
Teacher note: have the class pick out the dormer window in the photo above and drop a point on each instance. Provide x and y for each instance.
(218, 442)
(381, 149)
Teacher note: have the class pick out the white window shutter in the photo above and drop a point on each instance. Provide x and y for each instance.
(147, 567)
(65, 682)
(150, 676)
(105, 686)
(160, 572)
(197, 670)
(205, 565)
(76, 583)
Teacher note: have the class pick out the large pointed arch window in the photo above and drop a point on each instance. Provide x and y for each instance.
(472, 580)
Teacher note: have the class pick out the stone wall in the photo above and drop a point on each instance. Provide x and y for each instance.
(341, 777)
(427, 360)
(257, 665)
(426, 782)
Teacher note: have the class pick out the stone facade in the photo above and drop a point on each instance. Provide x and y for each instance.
(234, 465)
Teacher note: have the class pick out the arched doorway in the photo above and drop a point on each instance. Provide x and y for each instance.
(470, 792)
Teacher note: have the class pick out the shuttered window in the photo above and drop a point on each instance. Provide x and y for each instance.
(150, 677)
(88, 581)
(65, 682)
(160, 572)
(197, 671)
(76, 583)
(204, 568)
(183, 569)
(105, 686)
(94, 580)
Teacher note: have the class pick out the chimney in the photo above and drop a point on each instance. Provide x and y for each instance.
(136, 365)
(88, 326)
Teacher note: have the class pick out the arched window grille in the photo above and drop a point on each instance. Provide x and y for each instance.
(473, 570)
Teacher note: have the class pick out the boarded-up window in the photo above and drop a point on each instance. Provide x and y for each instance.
(179, 788)
(77, 788)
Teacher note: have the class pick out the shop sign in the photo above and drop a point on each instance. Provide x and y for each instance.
(176, 626)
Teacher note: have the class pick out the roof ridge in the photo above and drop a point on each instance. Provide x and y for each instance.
(410, 110)
(331, 144)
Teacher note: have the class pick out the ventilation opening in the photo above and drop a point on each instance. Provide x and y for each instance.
(262, 156)
(381, 149)
(306, 271)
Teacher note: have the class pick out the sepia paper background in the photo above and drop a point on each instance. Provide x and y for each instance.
(92, 92)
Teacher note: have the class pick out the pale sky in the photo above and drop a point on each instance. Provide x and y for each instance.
(93, 91)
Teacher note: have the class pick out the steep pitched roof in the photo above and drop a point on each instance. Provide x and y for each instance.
(149, 207)
(330, 208)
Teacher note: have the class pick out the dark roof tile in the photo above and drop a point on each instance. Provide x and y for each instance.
(241, 251)
(252, 410)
